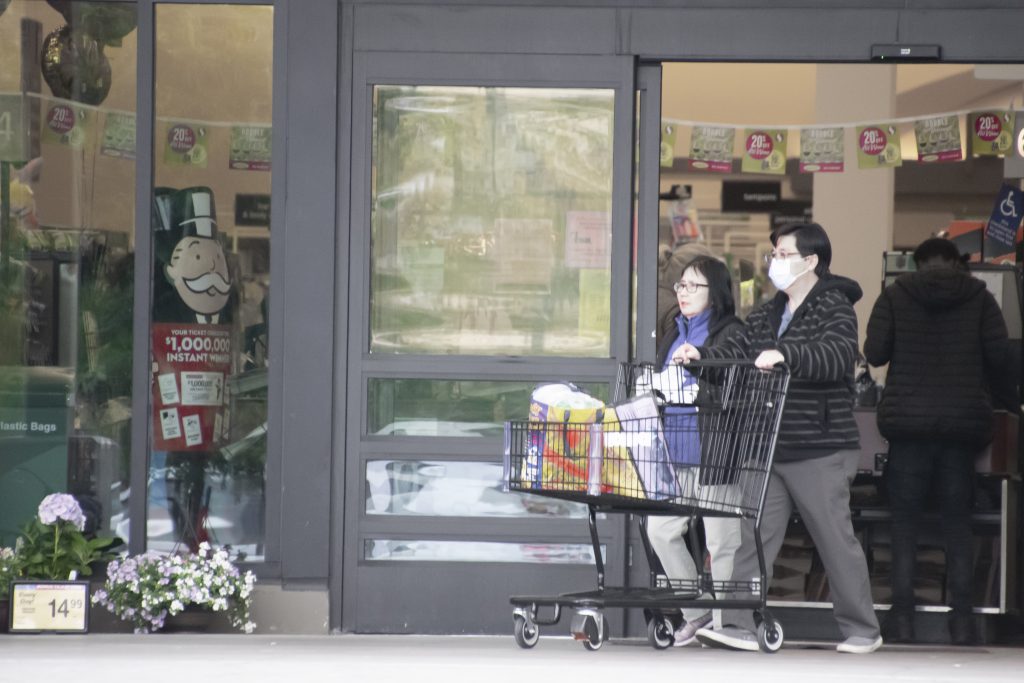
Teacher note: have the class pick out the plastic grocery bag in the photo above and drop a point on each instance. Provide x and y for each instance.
(559, 452)
(635, 461)
(672, 385)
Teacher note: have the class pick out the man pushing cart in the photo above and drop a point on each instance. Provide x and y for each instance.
(615, 460)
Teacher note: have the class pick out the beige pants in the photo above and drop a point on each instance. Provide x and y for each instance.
(668, 539)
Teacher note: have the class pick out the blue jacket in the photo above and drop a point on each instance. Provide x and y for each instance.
(681, 433)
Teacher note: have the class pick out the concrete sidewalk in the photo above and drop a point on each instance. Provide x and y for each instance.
(192, 658)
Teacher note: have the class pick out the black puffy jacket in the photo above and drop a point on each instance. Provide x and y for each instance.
(945, 341)
(820, 348)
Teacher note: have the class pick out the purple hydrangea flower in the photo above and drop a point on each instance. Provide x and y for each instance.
(61, 506)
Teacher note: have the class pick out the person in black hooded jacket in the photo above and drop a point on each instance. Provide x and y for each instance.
(945, 341)
(810, 325)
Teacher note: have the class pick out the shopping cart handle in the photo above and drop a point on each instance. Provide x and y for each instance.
(729, 363)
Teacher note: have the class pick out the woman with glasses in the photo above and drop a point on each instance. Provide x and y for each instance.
(705, 316)
(809, 325)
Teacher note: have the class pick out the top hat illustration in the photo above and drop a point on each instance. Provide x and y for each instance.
(178, 214)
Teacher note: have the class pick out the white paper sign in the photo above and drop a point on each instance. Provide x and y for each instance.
(169, 424)
(586, 239)
(168, 388)
(193, 430)
(202, 388)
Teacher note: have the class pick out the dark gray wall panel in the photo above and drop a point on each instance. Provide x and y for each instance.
(448, 598)
(307, 287)
(975, 35)
(514, 30)
(790, 34)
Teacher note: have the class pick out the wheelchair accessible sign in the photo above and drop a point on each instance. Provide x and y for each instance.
(1001, 231)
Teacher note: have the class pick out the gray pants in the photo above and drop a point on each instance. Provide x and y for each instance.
(820, 489)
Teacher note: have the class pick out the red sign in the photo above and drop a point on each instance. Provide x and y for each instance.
(60, 118)
(988, 127)
(759, 145)
(873, 141)
(181, 138)
(192, 362)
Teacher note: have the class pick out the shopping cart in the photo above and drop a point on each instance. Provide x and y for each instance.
(619, 463)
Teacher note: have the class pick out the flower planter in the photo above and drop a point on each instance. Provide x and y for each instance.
(143, 588)
(5, 615)
(196, 619)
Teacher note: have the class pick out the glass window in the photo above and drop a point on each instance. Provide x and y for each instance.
(479, 551)
(211, 240)
(428, 407)
(491, 224)
(67, 213)
(453, 489)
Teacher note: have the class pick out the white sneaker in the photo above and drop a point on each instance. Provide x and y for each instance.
(687, 633)
(729, 638)
(859, 645)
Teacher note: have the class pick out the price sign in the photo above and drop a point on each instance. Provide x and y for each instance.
(50, 606)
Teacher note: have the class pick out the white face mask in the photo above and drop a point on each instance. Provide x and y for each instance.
(780, 272)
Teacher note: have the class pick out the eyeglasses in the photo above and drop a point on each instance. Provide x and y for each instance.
(782, 255)
(688, 287)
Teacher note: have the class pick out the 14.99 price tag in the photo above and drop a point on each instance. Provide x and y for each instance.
(49, 606)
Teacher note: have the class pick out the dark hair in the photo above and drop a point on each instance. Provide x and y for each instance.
(936, 251)
(811, 238)
(719, 285)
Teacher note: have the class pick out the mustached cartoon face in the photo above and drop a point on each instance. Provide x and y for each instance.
(199, 273)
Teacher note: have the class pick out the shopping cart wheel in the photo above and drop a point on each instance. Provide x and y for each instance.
(659, 632)
(527, 634)
(595, 639)
(585, 627)
(769, 635)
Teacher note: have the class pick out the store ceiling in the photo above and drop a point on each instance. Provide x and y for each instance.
(784, 94)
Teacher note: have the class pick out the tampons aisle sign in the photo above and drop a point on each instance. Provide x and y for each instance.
(192, 362)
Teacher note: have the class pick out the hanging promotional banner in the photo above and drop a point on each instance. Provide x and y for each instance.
(938, 139)
(991, 132)
(764, 151)
(192, 362)
(668, 144)
(878, 146)
(250, 148)
(711, 148)
(821, 150)
(65, 124)
(185, 145)
(118, 135)
(1001, 230)
(13, 140)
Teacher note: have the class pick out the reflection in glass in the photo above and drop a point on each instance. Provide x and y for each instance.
(211, 241)
(67, 214)
(479, 551)
(427, 407)
(453, 489)
(491, 229)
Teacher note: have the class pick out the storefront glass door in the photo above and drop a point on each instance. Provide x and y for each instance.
(487, 255)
